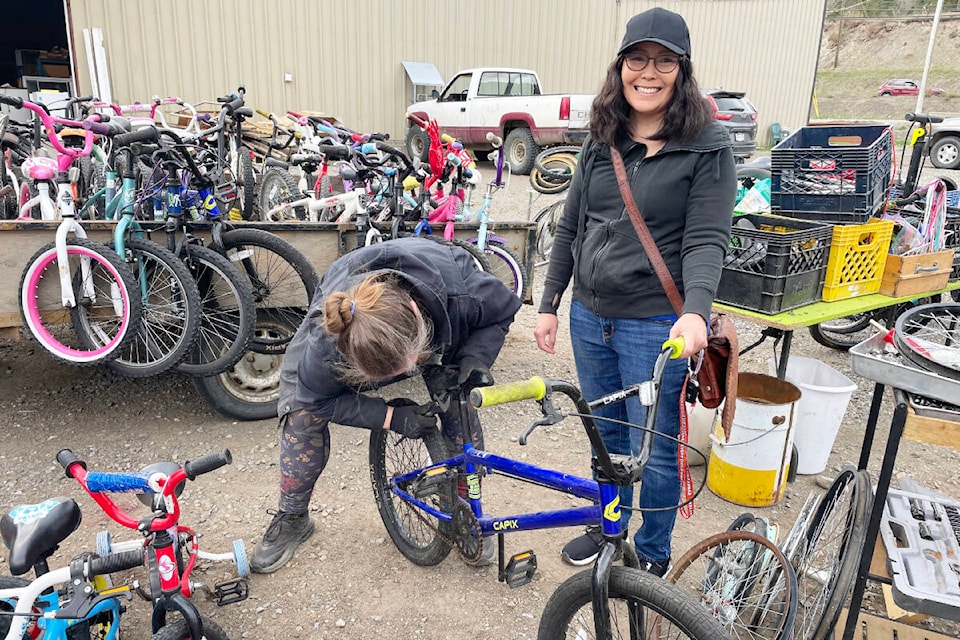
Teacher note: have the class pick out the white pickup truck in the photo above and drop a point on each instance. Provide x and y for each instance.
(507, 102)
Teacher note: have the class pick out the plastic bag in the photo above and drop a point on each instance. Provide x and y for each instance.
(756, 200)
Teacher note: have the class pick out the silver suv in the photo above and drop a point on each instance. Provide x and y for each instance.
(943, 144)
(739, 117)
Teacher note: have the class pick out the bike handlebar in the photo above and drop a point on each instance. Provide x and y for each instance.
(206, 464)
(147, 134)
(494, 139)
(115, 562)
(533, 389)
(922, 118)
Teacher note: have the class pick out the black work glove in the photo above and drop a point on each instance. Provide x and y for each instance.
(473, 373)
(411, 419)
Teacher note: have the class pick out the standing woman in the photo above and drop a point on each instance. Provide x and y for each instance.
(681, 173)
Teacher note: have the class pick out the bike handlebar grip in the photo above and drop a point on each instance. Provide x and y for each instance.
(204, 117)
(494, 139)
(335, 152)
(116, 562)
(533, 389)
(67, 458)
(246, 112)
(100, 128)
(233, 105)
(208, 463)
(16, 103)
(263, 113)
(147, 134)
(446, 137)
(103, 482)
(675, 345)
(379, 136)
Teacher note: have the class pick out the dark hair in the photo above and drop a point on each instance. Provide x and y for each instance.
(688, 113)
(378, 332)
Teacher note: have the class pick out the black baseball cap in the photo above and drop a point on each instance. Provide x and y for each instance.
(660, 26)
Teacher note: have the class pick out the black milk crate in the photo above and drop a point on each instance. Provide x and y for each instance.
(833, 174)
(773, 263)
(951, 229)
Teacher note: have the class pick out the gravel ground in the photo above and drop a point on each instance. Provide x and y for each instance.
(348, 581)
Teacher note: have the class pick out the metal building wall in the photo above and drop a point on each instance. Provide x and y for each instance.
(345, 57)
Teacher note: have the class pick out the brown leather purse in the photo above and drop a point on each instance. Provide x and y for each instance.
(717, 375)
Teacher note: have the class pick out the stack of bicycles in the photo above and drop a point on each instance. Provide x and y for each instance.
(221, 313)
(81, 600)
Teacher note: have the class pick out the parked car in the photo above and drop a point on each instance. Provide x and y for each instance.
(943, 143)
(902, 87)
(507, 102)
(739, 116)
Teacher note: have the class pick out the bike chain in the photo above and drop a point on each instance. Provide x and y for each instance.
(462, 520)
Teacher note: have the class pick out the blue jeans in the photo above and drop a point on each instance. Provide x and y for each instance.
(611, 353)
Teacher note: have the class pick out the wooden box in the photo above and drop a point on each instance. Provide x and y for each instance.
(905, 276)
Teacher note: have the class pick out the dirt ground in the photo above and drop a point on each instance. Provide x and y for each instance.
(348, 582)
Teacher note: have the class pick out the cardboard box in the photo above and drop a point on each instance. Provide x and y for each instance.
(907, 275)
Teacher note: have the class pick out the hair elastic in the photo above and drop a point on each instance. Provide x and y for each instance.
(353, 307)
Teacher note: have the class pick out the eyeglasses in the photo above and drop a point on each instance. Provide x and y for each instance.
(663, 64)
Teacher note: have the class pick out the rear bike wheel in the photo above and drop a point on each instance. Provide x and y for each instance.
(107, 311)
(928, 337)
(641, 606)
(228, 313)
(282, 279)
(506, 266)
(277, 187)
(415, 534)
(171, 311)
(7, 606)
(546, 221)
(743, 580)
(180, 631)
(827, 559)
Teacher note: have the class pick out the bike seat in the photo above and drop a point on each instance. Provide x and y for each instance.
(33, 531)
(40, 168)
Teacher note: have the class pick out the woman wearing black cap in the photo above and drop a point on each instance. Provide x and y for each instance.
(681, 172)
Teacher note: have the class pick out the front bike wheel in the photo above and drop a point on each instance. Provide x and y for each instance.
(927, 336)
(282, 279)
(744, 580)
(641, 606)
(171, 311)
(506, 265)
(180, 631)
(278, 186)
(416, 535)
(107, 311)
(228, 313)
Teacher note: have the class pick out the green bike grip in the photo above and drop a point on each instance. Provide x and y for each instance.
(533, 389)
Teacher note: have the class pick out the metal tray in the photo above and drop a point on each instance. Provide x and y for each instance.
(879, 361)
(924, 406)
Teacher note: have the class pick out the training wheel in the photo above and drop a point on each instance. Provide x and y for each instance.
(104, 545)
(240, 558)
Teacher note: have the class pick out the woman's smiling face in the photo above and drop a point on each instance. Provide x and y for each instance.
(649, 91)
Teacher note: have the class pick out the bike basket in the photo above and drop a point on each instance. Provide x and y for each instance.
(773, 263)
(858, 253)
(832, 173)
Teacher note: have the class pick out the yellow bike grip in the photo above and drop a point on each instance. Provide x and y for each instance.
(675, 345)
(532, 389)
(410, 183)
(263, 113)
(445, 137)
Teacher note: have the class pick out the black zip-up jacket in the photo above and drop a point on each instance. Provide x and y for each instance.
(685, 193)
(471, 312)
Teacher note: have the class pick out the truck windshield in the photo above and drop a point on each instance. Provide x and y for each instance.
(457, 90)
(508, 83)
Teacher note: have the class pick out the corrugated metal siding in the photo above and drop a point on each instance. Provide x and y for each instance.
(345, 57)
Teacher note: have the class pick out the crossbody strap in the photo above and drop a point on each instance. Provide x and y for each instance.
(653, 253)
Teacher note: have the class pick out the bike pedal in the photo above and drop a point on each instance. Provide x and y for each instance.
(429, 482)
(230, 592)
(520, 569)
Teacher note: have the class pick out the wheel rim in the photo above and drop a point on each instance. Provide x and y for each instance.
(255, 378)
(402, 455)
(947, 154)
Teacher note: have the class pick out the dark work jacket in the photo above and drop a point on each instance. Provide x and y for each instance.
(685, 193)
(471, 313)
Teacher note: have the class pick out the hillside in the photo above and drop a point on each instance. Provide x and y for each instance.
(872, 51)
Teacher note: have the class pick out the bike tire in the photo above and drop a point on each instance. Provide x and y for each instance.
(246, 184)
(248, 390)
(277, 186)
(829, 556)
(106, 330)
(171, 311)
(506, 265)
(723, 572)
(633, 595)
(842, 333)
(927, 336)
(415, 535)
(282, 279)
(228, 313)
(7, 606)
(179, 630)
(546, 221)
(564, 171)
(479, 258)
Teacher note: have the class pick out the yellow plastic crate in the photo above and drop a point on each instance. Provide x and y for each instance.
(858, 253)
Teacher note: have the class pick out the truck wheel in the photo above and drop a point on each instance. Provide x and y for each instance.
(521, 150)
(945, 153)
(418, 143)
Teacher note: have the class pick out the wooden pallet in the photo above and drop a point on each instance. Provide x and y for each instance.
(877, 628)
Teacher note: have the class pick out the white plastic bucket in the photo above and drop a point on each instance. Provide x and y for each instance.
(826, 394)
(699, 426)
(751, 467)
